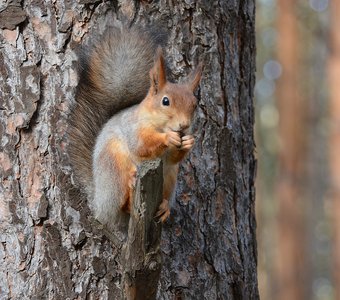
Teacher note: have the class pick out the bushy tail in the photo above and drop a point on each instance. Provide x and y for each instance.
(114, 74)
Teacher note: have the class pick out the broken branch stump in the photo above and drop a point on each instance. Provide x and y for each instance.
(141, 255)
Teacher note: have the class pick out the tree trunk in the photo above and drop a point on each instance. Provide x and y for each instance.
(334, 144)
(290, 249)
(49, 247)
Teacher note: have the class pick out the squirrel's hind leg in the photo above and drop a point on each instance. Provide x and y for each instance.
(128, 184)
(114, 164)
(170, 171)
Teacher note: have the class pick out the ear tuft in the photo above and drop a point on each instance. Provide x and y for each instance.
(157, 73)
(195, 77)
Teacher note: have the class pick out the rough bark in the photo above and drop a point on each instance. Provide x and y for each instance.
(334, 142)
(290, 250)
(49, 247)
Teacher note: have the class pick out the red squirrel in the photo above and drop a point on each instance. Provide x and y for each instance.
(126, 112)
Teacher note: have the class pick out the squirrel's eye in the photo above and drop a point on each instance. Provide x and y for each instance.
(165, 101)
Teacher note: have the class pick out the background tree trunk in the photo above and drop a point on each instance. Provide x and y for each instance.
(48, 247)
(334, 143)
(292, 152)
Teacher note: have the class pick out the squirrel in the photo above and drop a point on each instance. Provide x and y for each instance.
(126, 112)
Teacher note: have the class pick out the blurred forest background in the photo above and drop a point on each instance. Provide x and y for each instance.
(298, 149)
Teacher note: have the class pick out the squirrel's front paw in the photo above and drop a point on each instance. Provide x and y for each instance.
(174, 139)
(188, 142)
(164, 211)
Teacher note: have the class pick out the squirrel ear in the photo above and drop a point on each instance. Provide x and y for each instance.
(157, 73)
(195, 77)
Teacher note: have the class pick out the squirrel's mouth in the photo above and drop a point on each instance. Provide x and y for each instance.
(182, 132)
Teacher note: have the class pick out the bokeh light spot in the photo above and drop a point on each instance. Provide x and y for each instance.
(272, 69)
(269, 36)
(269, 116)
(319, 5)
(322, 289)
(265, 88)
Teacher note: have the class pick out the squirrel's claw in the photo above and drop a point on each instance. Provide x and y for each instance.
(188, 142)
(164, 211)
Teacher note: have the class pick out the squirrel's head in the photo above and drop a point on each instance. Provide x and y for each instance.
(174, 104)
